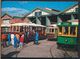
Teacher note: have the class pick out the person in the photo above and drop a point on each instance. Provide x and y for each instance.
(9, 39)
(15, 41)
(27, 37)
(4, 40)
(21, 41)
(12, 39)
(36, 37)
(18, 38)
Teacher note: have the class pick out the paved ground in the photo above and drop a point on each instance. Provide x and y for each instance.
(44, 49)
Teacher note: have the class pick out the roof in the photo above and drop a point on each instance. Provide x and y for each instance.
(16, 17)
(26, 24)
(16, 20)
(52, 11)
(7, 14)
(68, 8)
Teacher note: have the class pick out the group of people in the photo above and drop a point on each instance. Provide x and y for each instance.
(18, 40)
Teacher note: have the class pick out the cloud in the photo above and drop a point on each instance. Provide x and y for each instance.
(23, 2)
(15, 11)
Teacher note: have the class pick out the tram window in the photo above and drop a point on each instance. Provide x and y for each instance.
(14, 28)
(52, 30)
(21, 29)
(60, 30)
(65, 30)
(72, 30)
(17, 28)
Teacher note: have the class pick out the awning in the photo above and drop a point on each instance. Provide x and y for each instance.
(19, 24)
(5, 25)
(27, 24)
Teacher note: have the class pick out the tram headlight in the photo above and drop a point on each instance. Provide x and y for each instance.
(66, 40)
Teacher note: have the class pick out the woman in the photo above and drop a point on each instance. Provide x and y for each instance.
(12, 39)
(21, 40)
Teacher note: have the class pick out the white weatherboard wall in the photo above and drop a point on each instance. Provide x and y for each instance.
(33, 13)
(72, 9)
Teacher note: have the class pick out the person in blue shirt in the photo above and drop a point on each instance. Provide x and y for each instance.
(9, 39)
(15, 41)
(36, 37)
(27, 39)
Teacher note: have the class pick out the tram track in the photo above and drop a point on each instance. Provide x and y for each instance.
(51, 51)
(66, 55)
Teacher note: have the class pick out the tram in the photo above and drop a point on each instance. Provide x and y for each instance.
(67, 34)
(51, 32)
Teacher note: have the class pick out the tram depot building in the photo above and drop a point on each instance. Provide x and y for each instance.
(40, 16)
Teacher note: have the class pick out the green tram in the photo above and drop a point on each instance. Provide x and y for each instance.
(67, 34)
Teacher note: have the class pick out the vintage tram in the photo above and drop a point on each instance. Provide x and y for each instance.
(68, 34)
(51, 32)
(23, 28)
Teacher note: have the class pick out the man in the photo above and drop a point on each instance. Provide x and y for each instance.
(36, 37)
(9, 39)
(15, 41)
(18, 38)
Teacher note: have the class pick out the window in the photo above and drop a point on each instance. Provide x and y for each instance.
(6, 21)
(4, 29)
(72, 30)
(14, 28)
(60, 30)
(52, 30)
(76, 10)
(37, 13)
(49, 30)
(65, 30)
(21, 29)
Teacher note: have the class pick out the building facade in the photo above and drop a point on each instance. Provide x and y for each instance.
(43, 16)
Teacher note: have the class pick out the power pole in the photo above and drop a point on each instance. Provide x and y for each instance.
(78, 37)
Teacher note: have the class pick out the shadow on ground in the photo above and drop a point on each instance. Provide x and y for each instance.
(10, 54)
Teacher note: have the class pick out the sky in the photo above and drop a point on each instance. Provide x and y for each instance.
(20, 8)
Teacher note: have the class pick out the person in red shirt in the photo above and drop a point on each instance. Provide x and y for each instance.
(4, 37)
(21, 41)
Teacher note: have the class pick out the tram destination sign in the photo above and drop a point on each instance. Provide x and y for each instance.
(65, 23)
